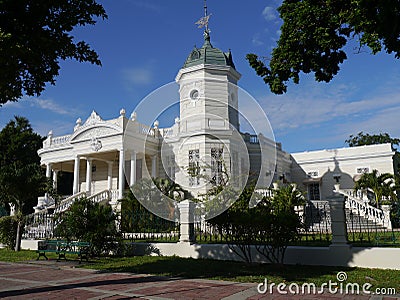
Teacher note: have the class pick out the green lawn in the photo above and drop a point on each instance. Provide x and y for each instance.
(227, 270)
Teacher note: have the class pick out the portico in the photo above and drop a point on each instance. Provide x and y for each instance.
(98, 158)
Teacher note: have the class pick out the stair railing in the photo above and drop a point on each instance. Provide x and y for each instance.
(357, 205)
(67, 202)
(100, 196)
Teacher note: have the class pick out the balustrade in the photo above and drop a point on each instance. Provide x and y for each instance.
(356, 203)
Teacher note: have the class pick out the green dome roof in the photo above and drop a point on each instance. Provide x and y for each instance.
(209, 55)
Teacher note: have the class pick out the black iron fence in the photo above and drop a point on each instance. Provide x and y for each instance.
(142, 225)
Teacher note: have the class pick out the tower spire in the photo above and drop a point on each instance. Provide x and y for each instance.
(203, 22)
(205, 15)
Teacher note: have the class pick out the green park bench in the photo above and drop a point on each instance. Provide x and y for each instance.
(61, 248)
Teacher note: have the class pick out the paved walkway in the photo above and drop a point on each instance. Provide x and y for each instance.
(50, 280)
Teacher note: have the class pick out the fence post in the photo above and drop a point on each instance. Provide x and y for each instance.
(186, 212)
(338, 220)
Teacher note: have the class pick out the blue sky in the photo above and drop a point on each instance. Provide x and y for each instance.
(144, 43)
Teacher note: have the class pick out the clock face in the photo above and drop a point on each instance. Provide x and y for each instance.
(194, 94)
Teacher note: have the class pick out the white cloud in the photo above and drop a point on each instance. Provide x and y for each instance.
(257, 40)
(50, 105)
(384, 120)
(315, 108)
(138, 76)
(11, 105)
(269, 13)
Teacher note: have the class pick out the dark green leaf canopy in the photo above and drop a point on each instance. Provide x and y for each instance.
(314, 34)
(34, 36)
(21, 178)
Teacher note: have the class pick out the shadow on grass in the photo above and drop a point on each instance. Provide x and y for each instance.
(213, 269)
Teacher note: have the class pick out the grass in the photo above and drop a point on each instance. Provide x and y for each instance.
(20, 256)
(241, 272)
(227, 270)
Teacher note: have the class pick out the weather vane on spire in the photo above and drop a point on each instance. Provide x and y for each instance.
(203, 22)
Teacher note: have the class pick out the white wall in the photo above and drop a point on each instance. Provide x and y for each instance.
(343, 161)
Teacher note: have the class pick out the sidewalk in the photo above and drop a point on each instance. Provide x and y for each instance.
(51, 280)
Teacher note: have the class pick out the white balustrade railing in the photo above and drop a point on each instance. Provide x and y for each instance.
(114, 195)
(60, 140)
(67, 202)
(357, 203)
(265, 192)
(56, 141)
(146, 130)
(167, 132)
(100, 196)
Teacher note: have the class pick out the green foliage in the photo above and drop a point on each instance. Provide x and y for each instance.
(395, 214)
(21, 178)
(87, 221)
(315, 33)
(136, 218)
(362, 139)
(35, 36)
(8, 231)
(270, 225)
(382, 185)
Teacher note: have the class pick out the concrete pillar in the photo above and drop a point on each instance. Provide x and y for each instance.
(121, 179)
(48, 170)
(338, 220)
(186, 212)
(89, 175)
(75, 189)
(154, 166)
(340, 252)
(55, 179)
(133, 168)
(109, 175)
(48, 175)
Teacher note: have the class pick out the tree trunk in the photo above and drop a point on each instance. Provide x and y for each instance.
(18, 237)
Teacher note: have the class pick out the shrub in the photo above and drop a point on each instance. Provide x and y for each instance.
(8, 231)
(90, 222)
(270, 225)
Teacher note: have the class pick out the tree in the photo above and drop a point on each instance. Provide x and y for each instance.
(136, 218)
(382, 185)
(314, 34)
(362, 139)
(34, 36)
(21, 177)
(270, 225)
(90, 222)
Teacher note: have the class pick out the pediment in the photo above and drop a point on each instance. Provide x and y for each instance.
(93, 119)
(97, 131)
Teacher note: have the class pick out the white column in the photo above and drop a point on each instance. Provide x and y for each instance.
(48, 175)
(76, 175)
(48, 170)
(109, 175)
(55, 172)
(88, 175)
(154, 166)
(121, 179)
(133, 168)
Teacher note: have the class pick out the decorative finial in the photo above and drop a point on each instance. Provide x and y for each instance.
(203, 22)
(134, 116)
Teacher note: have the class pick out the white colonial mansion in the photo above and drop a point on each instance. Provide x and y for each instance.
(204, 147)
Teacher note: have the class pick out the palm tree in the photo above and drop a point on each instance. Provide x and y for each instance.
(380, 184)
